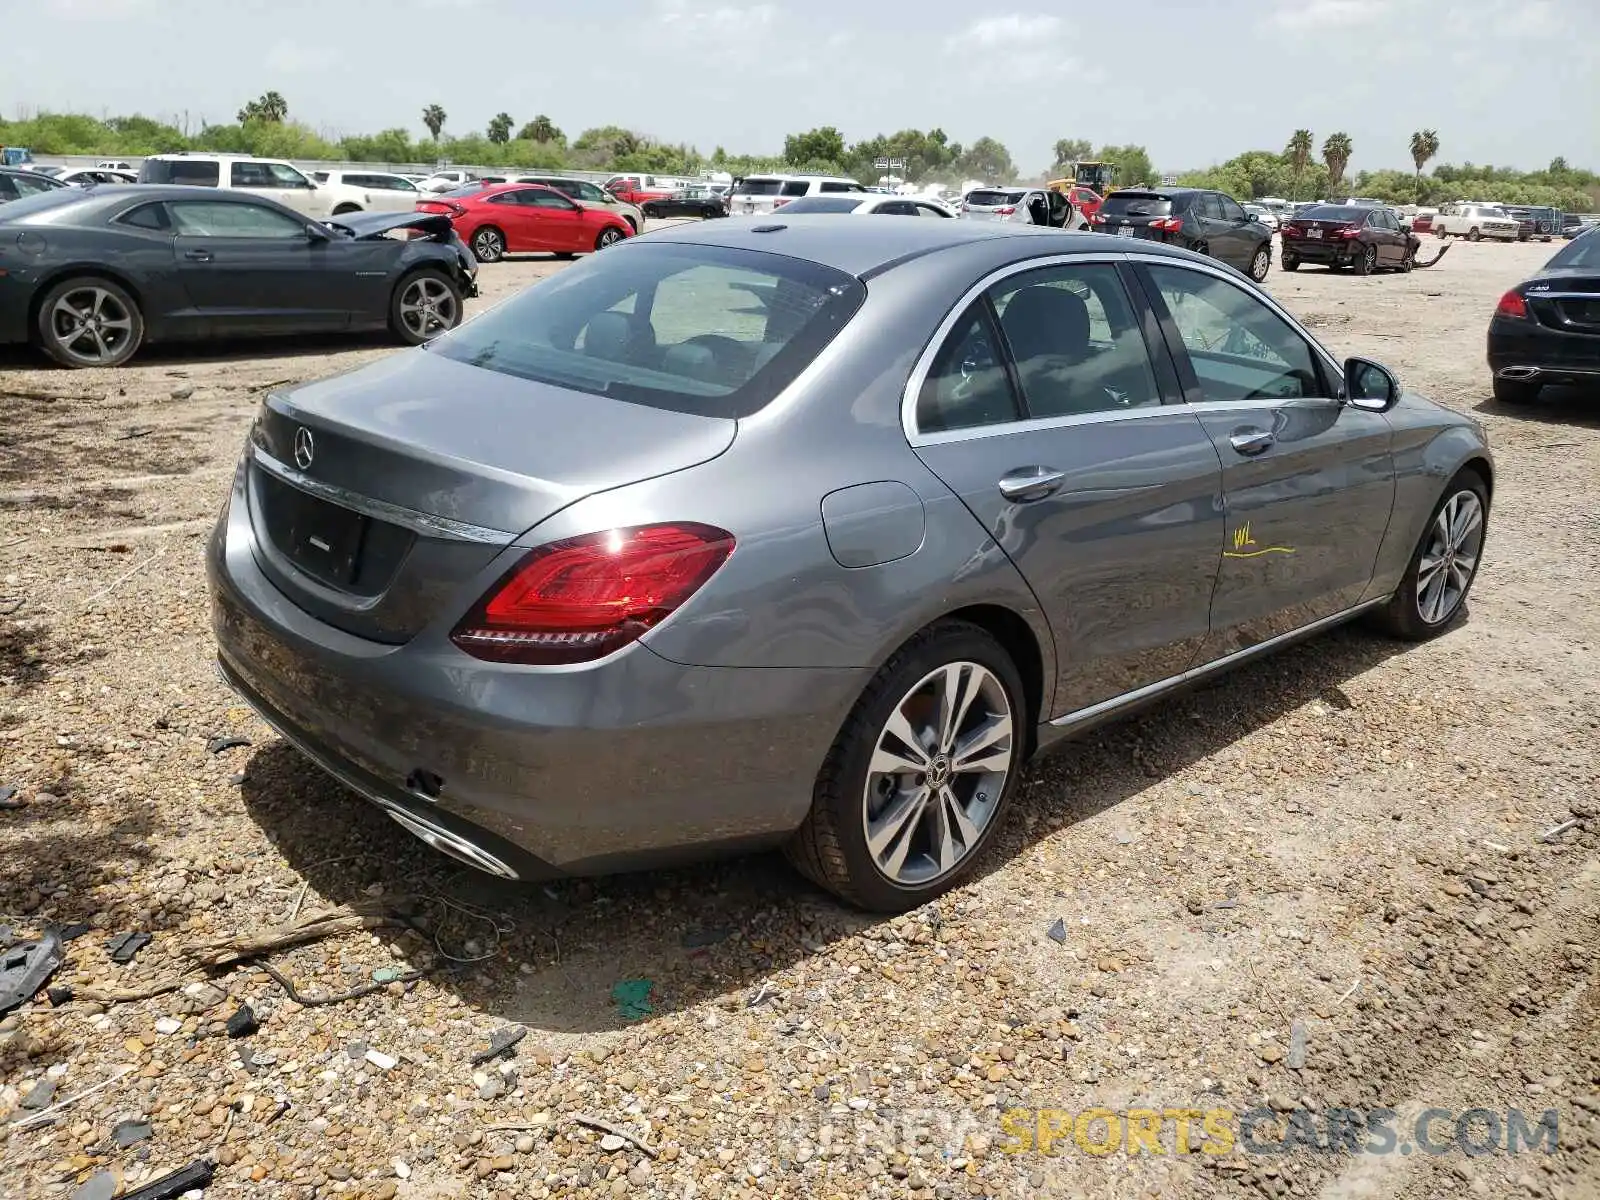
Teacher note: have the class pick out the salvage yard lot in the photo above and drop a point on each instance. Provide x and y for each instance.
(1341, 840)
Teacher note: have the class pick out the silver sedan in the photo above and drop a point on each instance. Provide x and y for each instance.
(811, 532)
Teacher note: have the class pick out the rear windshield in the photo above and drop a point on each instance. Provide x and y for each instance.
(1136, 204)
(712, 330)
(994, 199)
(197, 172)
(1334, 212)
(1583, 252)
(471, 189)
(760, 187)
(822, 204)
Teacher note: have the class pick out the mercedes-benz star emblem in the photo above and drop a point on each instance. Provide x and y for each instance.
(305, 448)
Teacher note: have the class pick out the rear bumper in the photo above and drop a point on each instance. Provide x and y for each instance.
(1320, 251)
(634, 762)
(1524, 350)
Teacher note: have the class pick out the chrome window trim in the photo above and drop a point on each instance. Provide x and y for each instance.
(924, 363)
(426, 524)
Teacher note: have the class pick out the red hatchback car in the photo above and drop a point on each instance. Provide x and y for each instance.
(525, 218)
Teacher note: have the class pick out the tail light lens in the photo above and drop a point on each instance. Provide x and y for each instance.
(1293, 231)
(1007, 210)
(581, 599)
(1168, 224)
(1512, 305)
(1350, 231)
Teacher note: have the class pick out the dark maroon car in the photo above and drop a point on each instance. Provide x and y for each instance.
(1364, 237)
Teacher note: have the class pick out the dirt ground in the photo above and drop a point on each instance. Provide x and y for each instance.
(1318, 884)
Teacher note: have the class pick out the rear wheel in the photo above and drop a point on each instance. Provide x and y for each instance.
(1409, 259)
(919, 777)
(609, 236)
(1261, 264)
(1367, 261)
(1441, 571)
(1516, 391)
(1290, 263)
(489, 244)
(1473, 235)
(89, 322)
(424, 305)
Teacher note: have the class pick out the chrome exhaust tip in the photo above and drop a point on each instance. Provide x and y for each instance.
(451, 844)
(1518, 372)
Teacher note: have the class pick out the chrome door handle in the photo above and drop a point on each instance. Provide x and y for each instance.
(1252, 443)
(197, 255)
(1031, 483)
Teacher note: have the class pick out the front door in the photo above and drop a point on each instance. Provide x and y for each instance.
(557, 222)
(1237, 235)
(1044, 411)
(1308, 481)
(252, 269)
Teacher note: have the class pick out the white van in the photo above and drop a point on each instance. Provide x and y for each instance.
(760, 194)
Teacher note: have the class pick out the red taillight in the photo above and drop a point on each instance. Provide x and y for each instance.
(1168, 224)
(1350, 231)
(583, 598)
(1293, 231)
(1006, 211)
(1512, 305)
(778, 203)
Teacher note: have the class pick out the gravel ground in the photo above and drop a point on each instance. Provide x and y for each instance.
(1315, 884)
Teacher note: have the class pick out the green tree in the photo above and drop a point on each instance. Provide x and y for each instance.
(1069, 151)
(1133, 165)
(541, 129)
(1302, 144)
(987, 159)
(388, 146)
(1336, 151)
(434, 118)
(1424, 146)
(500, 128)
(610, 142)
(272, 108)
(813, 146)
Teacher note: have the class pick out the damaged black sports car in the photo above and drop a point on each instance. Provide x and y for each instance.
(90, 275)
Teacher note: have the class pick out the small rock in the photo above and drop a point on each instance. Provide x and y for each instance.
(1109, 965)
(168, 1025)
(129, 1133)
(639, 1176)
(611, 1143)
(183, 391)
(100, 1186)
(382, 1061)
(402, 1170)
(1058, 932)
(1270, 1054)
(525, 1144)
(40, 1095)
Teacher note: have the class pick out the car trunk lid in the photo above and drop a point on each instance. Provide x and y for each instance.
(1569, 302)
(377, 495)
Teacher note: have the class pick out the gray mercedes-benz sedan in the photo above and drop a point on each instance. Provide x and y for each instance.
(810, 532)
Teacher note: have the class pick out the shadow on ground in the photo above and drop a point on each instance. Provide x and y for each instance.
(1555, 406)
(721, 930)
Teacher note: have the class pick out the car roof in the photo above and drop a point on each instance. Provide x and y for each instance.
(864, 248)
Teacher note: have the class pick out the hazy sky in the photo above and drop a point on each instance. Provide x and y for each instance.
(1513, 82)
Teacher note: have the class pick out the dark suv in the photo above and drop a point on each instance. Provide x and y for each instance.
(1206, 222)
(1535, 222)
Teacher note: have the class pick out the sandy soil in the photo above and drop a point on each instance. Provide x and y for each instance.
(1336, 851)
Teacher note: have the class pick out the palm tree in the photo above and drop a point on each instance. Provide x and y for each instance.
(434, 118)
(500, 128)
(1299, 151)
(540, 129)
(274, 107)
(1424, 145)
(1336, 153)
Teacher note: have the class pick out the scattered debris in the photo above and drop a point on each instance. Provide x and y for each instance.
(182, 1181)
(500, 1042)
(71, 933)
(131, 434)
(243, 1022)
(763, 994)
(315, 1000)
(222, 952)
(1555, 831)
(612, 1142)
(124, 946)
(25, 967)
(102, 1185)
(129, 1133)
(1349, 991)
(386, 974)
(1297, 1045)
(384, 1062)
(48, 1115)
(632, 998)
(9, 798)
(1221, 904)
(699, 939)
(614, 1131)
(1058, 932)
(218, 744)
(167, 1026)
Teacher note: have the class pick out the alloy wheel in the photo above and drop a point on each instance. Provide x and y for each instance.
(428, 307)
(610, 237)
(488, 245)
(937, 773)
(1447, 565)
(1260, 264)
(91, 325)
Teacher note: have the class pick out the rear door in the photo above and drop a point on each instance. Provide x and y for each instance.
(1308, 481)
(1237, 233)
(1044, 410)
(252, 269)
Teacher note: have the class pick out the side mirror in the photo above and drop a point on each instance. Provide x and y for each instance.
(1369, 385)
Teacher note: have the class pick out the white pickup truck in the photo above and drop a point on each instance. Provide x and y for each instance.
(1475, 221)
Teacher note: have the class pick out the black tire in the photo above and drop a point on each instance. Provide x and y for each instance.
(488, 244)
(1202, 248)
(609, 236)
(830, 847)
(424, 304)
(1408, 260)
(1289, 263)
(1473, 235)
(1441, 233)
(1261, 263)
(650, 212)
(1516, 391)
(1402, 617)
(346, 208)
(80, 315)
(1368, 262)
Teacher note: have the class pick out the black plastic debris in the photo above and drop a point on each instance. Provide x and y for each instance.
(129, 1133)
(71, 933)
(699, 939)
(124, 946)
(24, 968)
(501, 1041)
(1058, 932)
(243, 1022)
(59, 995)
(186, 1179)
(39, 1095)
(218, 744)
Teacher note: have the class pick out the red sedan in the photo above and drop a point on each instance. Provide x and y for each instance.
(525, 218)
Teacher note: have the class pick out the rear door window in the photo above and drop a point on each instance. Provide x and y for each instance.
(193, 172)
(1136, 204)
(795, 187)
(969, 386)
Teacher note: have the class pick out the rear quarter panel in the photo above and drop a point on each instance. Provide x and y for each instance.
(142, 263)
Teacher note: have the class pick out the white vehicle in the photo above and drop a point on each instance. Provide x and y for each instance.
(241, 173)
(89, 176)
(1277, 206)
(367, 191)
(767, 193)
(446, 181)
(1263, 214)
(116, 164)
(1475, 220)
(1023, 205)
(873, 204)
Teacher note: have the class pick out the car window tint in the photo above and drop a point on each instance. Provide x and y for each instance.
(249, 175)
(8, 187)
(32, 187)
(547, 200)
(1230, 209)
(1075, 338)
(795, 187)
(146, 216)
(969, 386)
(285, 176)
(195, 218)
(1240, 348)
(928, 210)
